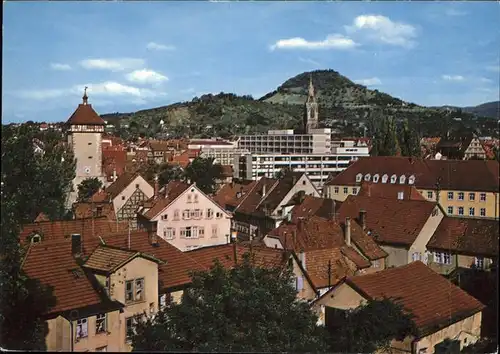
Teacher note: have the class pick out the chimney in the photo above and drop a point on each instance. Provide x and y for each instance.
(76, 244)
(114, 174)
(347, 231)
(263, 190)
(157, 186)
(154, 239)
(294, 180)
(302, 259)
(299, 223)
(362, 218)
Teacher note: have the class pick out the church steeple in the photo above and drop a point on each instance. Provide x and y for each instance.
(311, 109)
(85, 97)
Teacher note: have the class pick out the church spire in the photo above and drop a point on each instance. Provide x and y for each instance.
(85, 97)
(311, 87)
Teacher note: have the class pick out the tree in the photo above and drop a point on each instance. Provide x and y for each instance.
(23, 301)
(369, 327)
(244, 309)
(204, 172)
(409, 141)
(281, 173)
(34, 182)
(169, 173)
(88, 188)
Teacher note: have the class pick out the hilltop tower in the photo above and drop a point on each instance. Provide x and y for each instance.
(311, 109)
(85, 138)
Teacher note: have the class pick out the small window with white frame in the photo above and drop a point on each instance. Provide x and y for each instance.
(450, 210)
(482, 212)
(472, 197)
(460, 195)
(189, 198)
(460, 210)
(430, 195)
(186, 214)
(402, 179)
(196, 198)
(169, 233)
(100, 323)
(368, 177)
(359, 177)
(82, 328)
(164, 217)
(201, 231)
(375, 178)
(479, 262)
(176, 214)
(210, 213)
(482, 197)
(471, 211)
(346, 190)
(354, 190)
(218, 215)
(134, 290)
(335, 190)
(384, 178)
(214, 231)
(450, 195)
(394, 178)
(442, 258)
(411, 179)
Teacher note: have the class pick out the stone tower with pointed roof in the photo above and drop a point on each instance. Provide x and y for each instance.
(85, 129)
(311, 109)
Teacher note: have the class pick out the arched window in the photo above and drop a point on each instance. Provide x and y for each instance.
(394, 178)
(402, 179)
(384, 178)
(375, 178)
(359, 177)
(411, 180)
(367, 177)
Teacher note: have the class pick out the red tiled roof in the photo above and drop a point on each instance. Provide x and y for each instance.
(42, 217)
(429, 296)
(317, 262)
(262, 256)
(310, 206)
(453, 174)
(466, 236)
(391, 191)
(85, 115)
(106, 258)
(254, 197)
(228, 194)
(52, 263)
(389, 221)
(281, 189)
(172, 190)
(86, 210)
(227, 171)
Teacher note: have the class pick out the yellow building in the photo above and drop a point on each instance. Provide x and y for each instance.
(462, 188)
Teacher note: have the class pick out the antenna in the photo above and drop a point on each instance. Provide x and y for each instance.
(329, 271)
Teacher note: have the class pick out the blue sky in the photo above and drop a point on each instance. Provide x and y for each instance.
(137, 55)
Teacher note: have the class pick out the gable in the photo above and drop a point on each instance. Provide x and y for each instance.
(343, 296)
(302, 184)
(128, 210)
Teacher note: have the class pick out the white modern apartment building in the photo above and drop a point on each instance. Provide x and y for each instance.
(223, 152)
(318, 167)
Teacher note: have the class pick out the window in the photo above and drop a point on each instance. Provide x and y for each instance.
(336, 190)
(90, 157)
(186, 232)
(479, 262)
(450, 195)
(218, 215)
(471, 211)
(460, 210)
(186, 214)
(346, 190)
(107, 285)
(415, 256)
(189, 198)
(482, 197)
(401, 195)
(82, 328)
(376, 263)
(472, 196)
(102, 349)
(450, 210)
(201, 231)
(100, 323)
(482, 211)
(402, 179)
(384, 178)
(460, 195)
(299, 285)
(375, 178)
(442, 257)
(164, 217)
(359, 177)
(123, 197)
(137, 186)
(214, 231)
(176, 214)
(367, 177)
(393, 178)
(354, 191)
(430, 195)
(130, 323)
(411, 180)
(134, 290)
(196, 198)
(169, 233)
(210, 213)
(194, 232)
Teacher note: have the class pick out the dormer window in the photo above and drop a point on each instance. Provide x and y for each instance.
(359, 177)
(384, 178)
(402, 179)
(367, 177)
(394, 178)
(36, 238)
(411, 180)
(375, 178)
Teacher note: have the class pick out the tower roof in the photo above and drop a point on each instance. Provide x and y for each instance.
(85, 114)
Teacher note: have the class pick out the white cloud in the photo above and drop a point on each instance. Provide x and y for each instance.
(40, 94)
(374, 81)
(309, 61)
(333, 41)
(146, 76)
(59, 66)
(455, 78)
(118, 64)
(158, 46)
(382, 29)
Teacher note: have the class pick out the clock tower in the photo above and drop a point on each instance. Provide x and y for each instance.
(85, 129)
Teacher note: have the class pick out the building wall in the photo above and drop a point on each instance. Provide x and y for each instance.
(470, 325)
(135, 269)
(59, 336)
(87, 152)
(419, 245)
(144, 186)
(302, 184)
(397, 256)
(307, 292)
(221, 225)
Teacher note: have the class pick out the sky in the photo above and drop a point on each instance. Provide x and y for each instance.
(139, 55)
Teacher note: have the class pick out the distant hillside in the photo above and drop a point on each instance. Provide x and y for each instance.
(489, 109)
(345, 107)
